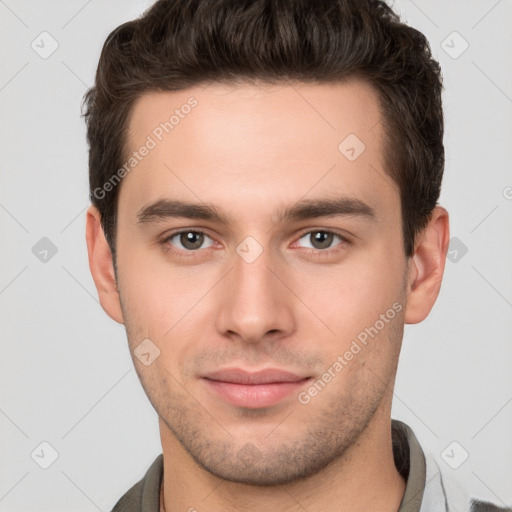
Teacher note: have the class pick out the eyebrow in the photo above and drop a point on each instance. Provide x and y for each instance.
(303, 210)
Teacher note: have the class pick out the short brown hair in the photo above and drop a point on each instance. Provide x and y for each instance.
(177, 44)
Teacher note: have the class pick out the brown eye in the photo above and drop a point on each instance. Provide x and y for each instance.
(320, 239)
(188, 240)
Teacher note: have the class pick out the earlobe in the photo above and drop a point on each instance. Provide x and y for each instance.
(101, 266)
(426, 267)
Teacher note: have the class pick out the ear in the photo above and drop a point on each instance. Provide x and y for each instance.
(102, 266)
(426, 267)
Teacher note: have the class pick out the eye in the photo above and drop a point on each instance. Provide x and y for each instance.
(188, 240)
(321, 239)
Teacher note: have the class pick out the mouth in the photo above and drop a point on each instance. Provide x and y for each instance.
(254, 390)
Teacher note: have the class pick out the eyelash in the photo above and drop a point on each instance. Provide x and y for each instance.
(168, 246)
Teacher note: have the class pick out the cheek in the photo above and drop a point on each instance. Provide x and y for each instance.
(363, 305)
(168, 304)
(163, 303)
(352, 295)
(155, 294)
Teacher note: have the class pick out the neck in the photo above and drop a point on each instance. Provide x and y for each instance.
(364, 478)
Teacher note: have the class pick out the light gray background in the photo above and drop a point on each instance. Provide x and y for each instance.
(65, 371)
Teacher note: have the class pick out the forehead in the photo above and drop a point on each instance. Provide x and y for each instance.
(329, 109)
(283, 138)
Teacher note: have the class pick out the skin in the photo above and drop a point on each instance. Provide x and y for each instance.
(252, 151)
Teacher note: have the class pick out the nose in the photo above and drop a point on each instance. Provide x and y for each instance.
(254, 301)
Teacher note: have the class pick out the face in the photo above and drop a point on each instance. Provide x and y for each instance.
(260, 250)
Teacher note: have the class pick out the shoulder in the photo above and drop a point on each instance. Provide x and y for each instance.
(145, 494)
(446, 489)
(131, 500)
(485, 506)
(436, 488)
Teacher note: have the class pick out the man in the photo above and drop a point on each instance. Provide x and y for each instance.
(264, 177)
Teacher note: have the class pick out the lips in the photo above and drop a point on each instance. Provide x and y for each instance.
(253, 390)
(239, 376)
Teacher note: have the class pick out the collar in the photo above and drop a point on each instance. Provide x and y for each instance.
(411, 464)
